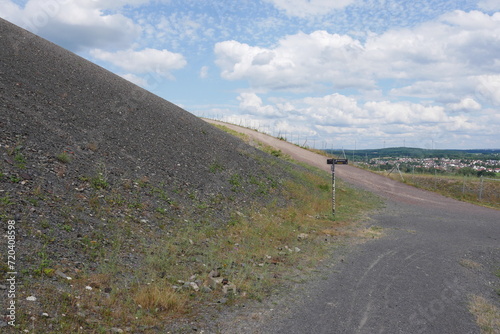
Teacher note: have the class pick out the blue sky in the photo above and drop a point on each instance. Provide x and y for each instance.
(343, 73)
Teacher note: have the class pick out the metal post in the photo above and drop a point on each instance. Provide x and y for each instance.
(334, 162)
(333, 189)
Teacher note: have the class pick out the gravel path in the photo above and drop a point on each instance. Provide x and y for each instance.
(436, 252)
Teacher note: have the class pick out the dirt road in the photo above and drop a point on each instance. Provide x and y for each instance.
(418, 278)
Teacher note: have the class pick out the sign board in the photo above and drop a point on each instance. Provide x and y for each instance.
(337, 161)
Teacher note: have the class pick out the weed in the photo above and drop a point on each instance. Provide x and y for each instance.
(235, 181)
(45, 262)
(216, 167)
(160, 298)
(6, 200)
(99, 181)
(44, 223)
(33, 201)
(92, 146)
(161, 210)
(324, 187)
(469, 264)
(487, 315)
(21, 161)
(64, 157)
(276, 153)
(15, 179)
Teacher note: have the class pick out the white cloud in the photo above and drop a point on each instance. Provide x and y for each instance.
(135, 79)
(489, 4)
(342, 119)
(465, 105)
(298, 61)
(252, 104)
(336, 110)
(204, 72)
(488, 89)
(75, 24)
(433, 60)
(161, 62)
(303, 8)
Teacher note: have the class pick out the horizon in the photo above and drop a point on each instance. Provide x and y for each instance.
(362, 74)
(417, 148)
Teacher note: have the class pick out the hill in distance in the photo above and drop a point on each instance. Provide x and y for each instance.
(411, 152)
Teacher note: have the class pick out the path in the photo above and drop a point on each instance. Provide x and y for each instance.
(412, 280)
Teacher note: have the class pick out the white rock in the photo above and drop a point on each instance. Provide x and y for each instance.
(31, 298)
(88, 287)
(302, 236)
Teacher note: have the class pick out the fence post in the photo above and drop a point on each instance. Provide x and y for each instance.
(463, 187)
(481, 188)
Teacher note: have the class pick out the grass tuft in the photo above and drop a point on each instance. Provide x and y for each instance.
(160, 298)
(487, 315)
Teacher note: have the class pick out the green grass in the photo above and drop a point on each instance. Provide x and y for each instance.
(466, 189)
(64, 157)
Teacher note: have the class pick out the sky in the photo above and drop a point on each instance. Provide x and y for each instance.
(353, 74)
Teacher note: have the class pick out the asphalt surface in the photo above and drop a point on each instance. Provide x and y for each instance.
(412, 280)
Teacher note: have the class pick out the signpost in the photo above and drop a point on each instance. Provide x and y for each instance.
(334, 162)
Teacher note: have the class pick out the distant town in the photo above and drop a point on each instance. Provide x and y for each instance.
(414, 160)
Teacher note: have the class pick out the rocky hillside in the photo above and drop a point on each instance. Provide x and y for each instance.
(92, 166)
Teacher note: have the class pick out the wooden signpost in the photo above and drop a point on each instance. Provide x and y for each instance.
(334, 162)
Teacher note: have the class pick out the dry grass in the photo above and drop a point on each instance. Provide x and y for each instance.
(160, 298)
(470, 264)
(464, 189)
(487, 315)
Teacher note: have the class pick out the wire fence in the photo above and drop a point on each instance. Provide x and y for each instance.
(481, 190)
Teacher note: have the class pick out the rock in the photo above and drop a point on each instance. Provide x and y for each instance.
(206, 289)
(302, 236)
(214, 273)
(31, 298)
(297, 249)
(228, 286)
(194, 286)
(214, 281)
(116, 330)
(88, 288)
(46, 315)
(61, 274)
(3, 324)
(3, 287)
(222, 301)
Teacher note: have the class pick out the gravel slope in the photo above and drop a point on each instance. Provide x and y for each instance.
(416, 279)
(89, 161)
